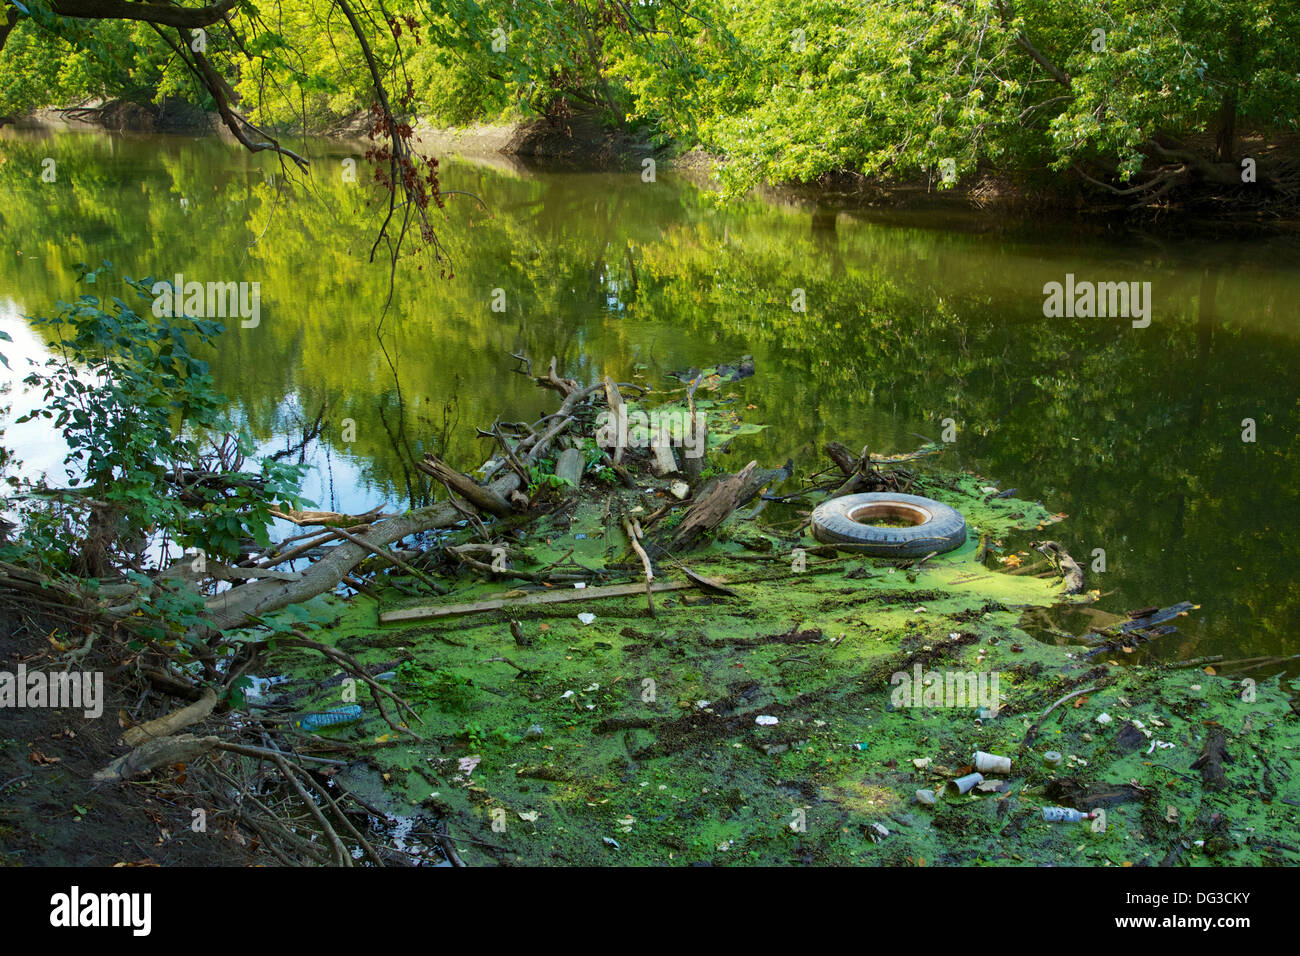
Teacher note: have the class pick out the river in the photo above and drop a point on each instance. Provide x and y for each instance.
(911, 326)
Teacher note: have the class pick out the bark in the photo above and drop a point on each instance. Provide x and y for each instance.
(162, 752)
(168, 724)
(1225, 139)
(234, 608)
(162, 14)
(481, 497)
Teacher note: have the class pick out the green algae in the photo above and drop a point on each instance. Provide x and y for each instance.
(633, 739)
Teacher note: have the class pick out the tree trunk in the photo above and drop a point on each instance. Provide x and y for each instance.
(1225, 136)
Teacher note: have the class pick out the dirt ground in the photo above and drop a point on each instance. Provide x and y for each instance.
(52, 815)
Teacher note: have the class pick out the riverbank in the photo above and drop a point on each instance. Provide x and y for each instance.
(584, 141)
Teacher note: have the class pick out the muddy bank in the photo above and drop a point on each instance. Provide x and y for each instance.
(169, 116)
(53, 814)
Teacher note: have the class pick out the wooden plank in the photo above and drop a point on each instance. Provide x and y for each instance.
(431, 611)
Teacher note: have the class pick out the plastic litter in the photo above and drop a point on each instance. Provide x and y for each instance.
(1052, 758)
(1064, 814)
(990, 763)
(330, 718)
(967, 783)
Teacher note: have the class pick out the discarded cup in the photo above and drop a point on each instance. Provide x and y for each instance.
(967, 783)
(1064, 814)
(1052, 758)
(990, 763)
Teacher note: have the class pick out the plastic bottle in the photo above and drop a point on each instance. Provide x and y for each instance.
(1063, 814)
(330, 718)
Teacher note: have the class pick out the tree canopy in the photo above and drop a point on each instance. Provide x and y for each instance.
(1134, 96)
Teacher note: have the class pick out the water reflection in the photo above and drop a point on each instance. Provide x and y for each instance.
(1136, 433)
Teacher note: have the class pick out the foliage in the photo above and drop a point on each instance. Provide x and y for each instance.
(135, 405)
(790, 91)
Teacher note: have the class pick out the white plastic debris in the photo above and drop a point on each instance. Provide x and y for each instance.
(579, 584)
(586, 617)
(566, 694)
(920, 763)
(1103, 718)
(467, 764)
(990, 763)
(763, 720)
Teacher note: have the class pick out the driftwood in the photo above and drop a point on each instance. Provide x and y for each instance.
(484, 498)
(632, 528)
(430, 611)
(1069, 568)
(713, 507)
(843, 458)
(154, 753)
(720, 499)
(168, 724)
(1210, 762)
(569, 466)
(237, 606)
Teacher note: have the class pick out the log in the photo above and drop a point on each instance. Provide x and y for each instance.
(168, 724)
(237, 606)
(717, 502)
(843, 458)
(713, 507)
(665, 459)
(570, 465)
(693, 466)
(614, 399)
(159, 752)
(482, 497)
(432, 611)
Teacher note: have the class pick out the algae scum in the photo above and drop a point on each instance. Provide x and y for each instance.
(633, 739)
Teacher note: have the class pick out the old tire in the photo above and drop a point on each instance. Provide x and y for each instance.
(845, 522)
